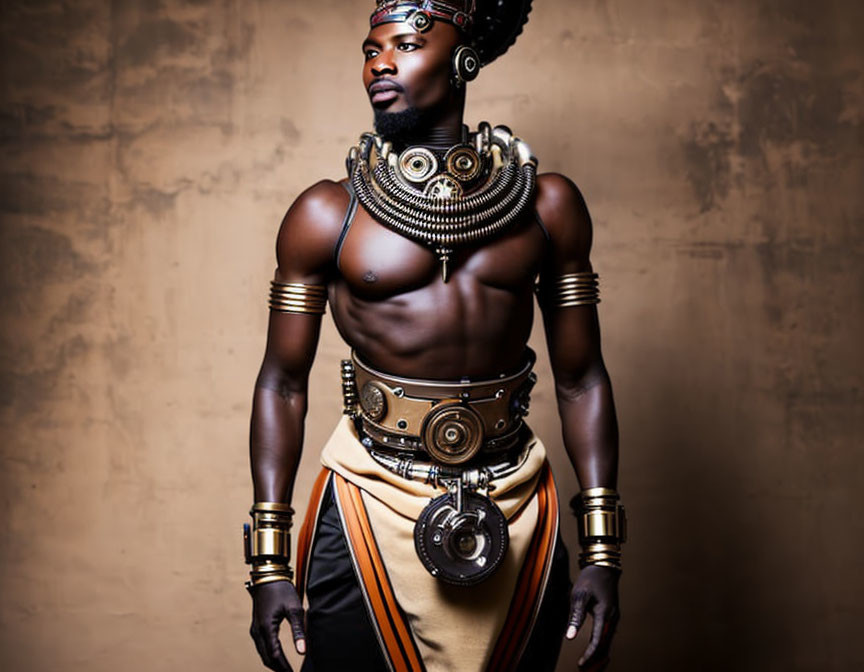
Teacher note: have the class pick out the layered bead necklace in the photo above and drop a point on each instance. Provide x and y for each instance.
(474, 192)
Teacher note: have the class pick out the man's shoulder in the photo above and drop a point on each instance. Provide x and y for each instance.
(324, 200)
(558, 195)
(562, 209)
(313, 224)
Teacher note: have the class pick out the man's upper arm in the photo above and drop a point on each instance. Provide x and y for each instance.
(563, 211)
(572, 334)
(305, 250)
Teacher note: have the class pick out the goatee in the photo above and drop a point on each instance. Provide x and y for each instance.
(398, 126)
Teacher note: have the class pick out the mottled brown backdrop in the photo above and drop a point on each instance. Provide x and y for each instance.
(150, 149)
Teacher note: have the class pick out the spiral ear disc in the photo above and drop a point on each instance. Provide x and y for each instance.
(466, 64)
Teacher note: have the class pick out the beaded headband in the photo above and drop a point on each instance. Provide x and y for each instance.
(421, 13)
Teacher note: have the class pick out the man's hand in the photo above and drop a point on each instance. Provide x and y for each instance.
(595, 592)
(271, 602)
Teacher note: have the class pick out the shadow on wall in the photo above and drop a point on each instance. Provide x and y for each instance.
(737, 387)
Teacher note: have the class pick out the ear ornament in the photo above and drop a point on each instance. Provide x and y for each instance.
(466, 65)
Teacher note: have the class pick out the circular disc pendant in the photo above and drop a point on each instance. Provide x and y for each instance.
(417, 164)
(461, 547)
(463, 163)
(443, 188)
(453, 433)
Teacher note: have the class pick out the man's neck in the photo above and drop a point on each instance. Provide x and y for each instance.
(440, 135)
(439, 138)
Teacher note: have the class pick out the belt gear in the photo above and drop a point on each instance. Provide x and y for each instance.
(451, 422)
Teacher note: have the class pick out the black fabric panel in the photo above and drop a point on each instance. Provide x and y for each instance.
(339, 633)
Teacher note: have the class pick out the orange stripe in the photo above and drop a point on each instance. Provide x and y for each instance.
(307, 531)
(522, 600)
(361, 553)
(522, 587)
(523, 627)
(375, 579)
(387, 590)
(516, 629)
(539, 568)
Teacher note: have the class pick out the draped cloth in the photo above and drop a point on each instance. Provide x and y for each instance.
(421, 622)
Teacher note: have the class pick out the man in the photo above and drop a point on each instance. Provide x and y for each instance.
(431, 541)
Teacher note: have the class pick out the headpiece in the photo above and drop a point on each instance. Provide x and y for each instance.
(421, 13)
(491, 25)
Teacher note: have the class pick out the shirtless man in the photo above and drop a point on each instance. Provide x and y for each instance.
(418, 307)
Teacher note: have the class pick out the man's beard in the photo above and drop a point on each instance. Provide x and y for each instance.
(398, 126)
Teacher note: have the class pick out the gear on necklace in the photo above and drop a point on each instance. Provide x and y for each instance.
(418, 164)
(463, 163)
(444, 214)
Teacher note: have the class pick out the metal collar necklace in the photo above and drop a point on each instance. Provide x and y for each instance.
(472, 193)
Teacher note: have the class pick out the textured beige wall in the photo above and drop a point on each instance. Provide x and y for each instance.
(149, 151)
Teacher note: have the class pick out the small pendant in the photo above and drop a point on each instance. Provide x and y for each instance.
(444, 258)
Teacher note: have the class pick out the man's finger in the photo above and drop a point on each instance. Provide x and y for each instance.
(597, 633)
(278, 661)
(295, 618)
(577, 612)
(259, 644)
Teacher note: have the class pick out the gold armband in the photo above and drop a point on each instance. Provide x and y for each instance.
(267, 544)
(602, 527)
(573, 289)
(293, 297)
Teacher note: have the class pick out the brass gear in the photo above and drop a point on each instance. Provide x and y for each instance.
(453, 433)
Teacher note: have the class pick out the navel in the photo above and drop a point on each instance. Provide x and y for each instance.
(370, 277)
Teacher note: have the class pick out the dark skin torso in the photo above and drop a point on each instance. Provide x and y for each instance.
(390, 304)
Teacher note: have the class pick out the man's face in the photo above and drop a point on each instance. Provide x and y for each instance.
(407, 70)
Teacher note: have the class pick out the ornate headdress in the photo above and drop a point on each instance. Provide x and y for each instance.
(492, 26)
(421, 13)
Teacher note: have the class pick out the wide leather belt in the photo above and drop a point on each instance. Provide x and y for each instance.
(451, 421)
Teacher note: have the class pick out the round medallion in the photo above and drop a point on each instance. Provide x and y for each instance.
(463, 163)
(372, 401)
(418, 164)
(461, 547)
(443, 188)
(453, 433)
(466, 63)
(420, 21)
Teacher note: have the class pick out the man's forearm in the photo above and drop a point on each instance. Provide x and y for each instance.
(276, 441)
(590, 428)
